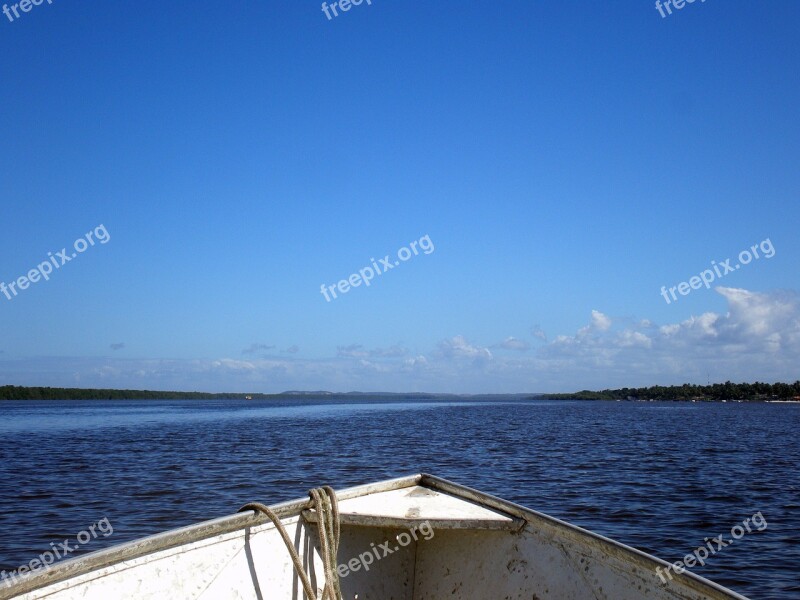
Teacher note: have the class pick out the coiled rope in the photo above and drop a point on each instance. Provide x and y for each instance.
(323, 500)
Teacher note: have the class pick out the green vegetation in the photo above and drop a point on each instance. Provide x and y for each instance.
(13, 392)
(709, 393)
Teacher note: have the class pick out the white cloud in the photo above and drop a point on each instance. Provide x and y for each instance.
(512, 343)
(458, 347)
(351, 351)
(628, 338)
(599, 322)
(253, 348)
(395, 351)
(538, 332)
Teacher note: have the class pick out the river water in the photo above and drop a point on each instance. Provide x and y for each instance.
(661, 477)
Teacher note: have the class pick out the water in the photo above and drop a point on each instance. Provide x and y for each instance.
(657, 476)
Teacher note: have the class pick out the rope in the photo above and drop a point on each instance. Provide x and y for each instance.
(323, 500)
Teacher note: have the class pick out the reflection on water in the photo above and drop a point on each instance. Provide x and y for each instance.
(91, 415)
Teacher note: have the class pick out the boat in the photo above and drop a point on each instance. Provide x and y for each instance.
(412, 538)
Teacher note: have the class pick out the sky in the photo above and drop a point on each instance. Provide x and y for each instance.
(542, 168)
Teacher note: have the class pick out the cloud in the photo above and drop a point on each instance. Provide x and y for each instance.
(538, 333)
(395, 351)
(772, 318)
(358, 351)
(253, 348)
(458, 348)
(599, 322)
(416, 361)
(756, 338)
(351, 351)
(294, 349)
(117, 346)
(512, 343)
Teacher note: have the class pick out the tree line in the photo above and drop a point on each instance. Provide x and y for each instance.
(15, 392)
(717, 392)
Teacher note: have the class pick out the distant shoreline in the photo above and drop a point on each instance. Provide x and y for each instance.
(718, 392)
(13, 392)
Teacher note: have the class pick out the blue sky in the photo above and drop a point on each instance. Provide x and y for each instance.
(566, 160)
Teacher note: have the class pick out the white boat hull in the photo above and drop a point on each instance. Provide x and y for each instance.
(415, 538)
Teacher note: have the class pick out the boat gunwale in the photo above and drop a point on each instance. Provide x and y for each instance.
(198, 532)
(644, 559)
(173, 538)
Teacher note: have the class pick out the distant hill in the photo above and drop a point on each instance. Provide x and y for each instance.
(13, 392)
